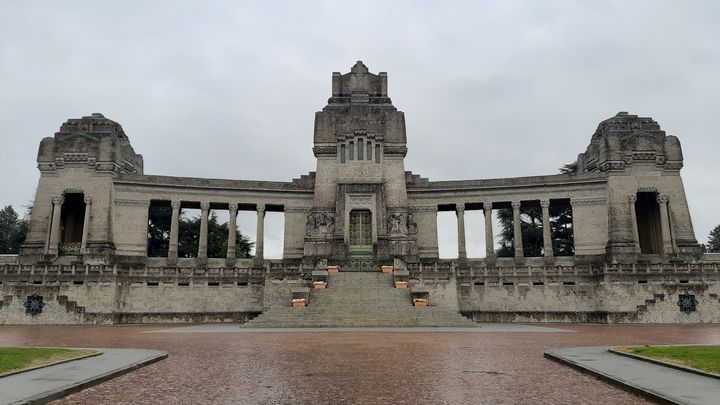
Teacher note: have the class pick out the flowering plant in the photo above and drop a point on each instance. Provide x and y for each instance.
(295, 300)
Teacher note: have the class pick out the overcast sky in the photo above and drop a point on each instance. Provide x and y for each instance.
(490, 89)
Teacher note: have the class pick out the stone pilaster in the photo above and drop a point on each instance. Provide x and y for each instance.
(633, 219)
(517, 229)
(462, 247)
(547, 234)
(260, 234)
(174, 232)
(662, 201)
(489, 238)
(232, 229)
(54, 239)
(86, 225)
(202, 245)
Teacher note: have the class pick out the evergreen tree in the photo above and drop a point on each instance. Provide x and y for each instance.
(506, 247)
(561, 227)
(713, 245)
(13, 230)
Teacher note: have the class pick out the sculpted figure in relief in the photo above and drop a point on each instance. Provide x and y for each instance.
(320, 223)
(401, 223)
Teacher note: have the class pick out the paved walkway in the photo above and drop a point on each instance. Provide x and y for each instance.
(235, 328)
(654, 381)
(57, 381)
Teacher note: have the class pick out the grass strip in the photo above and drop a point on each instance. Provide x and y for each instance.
(705, 358)
(13, 359)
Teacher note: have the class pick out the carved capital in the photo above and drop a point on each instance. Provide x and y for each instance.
(233, 206)
(175, 205)
(460, 208)
(662, 199)
(544, 203)
(88, 200)
(58, 200)
(487, 205)
(260, 208)
(515, 205)
(632, 198)
(204, 206)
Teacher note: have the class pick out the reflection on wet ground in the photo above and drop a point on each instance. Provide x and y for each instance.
(358, 367)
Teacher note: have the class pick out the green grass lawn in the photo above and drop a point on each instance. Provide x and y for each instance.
(706, 358)
(18, 358)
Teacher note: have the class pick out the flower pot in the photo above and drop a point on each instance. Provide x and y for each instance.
(320, 286)
(333, 269)
(400, 285)
(387, 269)
(300, 304)
(420, 304)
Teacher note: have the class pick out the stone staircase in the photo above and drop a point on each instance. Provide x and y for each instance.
(359, 299)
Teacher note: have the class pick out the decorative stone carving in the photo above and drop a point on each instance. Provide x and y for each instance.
(632, 198)
(544, 203)
(132, 203)
(34, 305)
(515, 205)
(662, 199)
(687, 303)
(402, 223)
(58, 200)
(627, 139)
(320, 224)
(588, 201)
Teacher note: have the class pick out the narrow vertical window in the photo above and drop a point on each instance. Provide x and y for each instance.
(351, 150)
(360, 148)
(369, 150)
(342, 153)
(377, 153)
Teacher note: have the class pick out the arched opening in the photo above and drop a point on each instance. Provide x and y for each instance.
(72, 221)
(647, 212)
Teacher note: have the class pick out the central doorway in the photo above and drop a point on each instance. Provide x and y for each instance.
(360, 241)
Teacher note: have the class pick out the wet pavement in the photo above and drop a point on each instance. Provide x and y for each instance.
(367, 367)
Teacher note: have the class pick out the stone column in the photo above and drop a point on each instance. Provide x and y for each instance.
(517, 234)
(489, 238)
(174, 232)
(202, 245)
(547, 234)
(633, 218)
(462, 248)
(232, 229)
(662, 201)
(260, 234)
(86, 225)
(54, 245)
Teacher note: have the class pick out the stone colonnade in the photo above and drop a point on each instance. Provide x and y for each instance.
(517, 230)
(203, 240)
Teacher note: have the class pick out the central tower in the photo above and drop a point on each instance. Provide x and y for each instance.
(360, 208)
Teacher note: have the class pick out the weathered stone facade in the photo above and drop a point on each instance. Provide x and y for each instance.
(635, 252)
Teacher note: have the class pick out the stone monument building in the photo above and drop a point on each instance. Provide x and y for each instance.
(634, 256)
